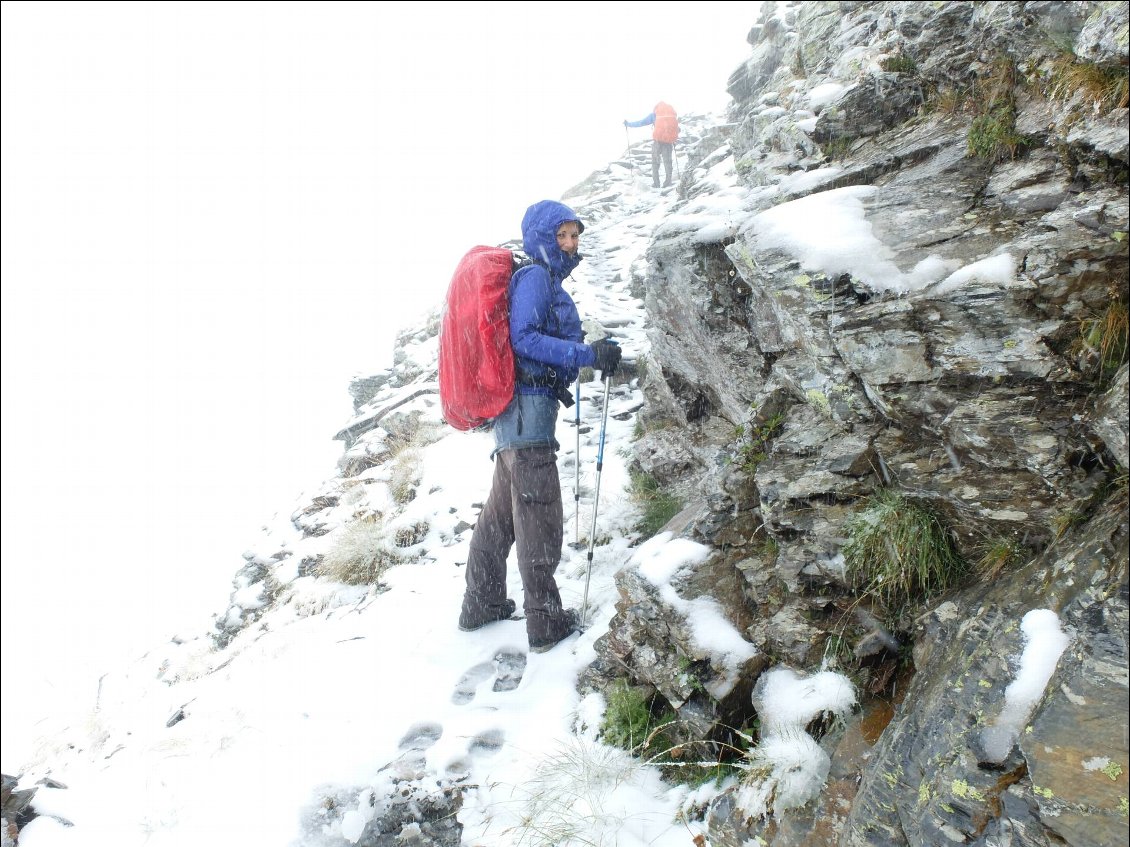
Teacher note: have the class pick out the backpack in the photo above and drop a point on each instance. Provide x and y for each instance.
(666, 124)
(476, 362)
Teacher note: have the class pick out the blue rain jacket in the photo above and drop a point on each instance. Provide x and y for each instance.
(648, 121)
(545, 329)
(545, 332)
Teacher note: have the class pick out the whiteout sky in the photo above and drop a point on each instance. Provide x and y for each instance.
(215, 214)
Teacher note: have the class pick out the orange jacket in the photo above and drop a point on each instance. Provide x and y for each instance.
(666, 124)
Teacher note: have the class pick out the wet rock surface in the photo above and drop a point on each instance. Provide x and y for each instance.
(954, 369)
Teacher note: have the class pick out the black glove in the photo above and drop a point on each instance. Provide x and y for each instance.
(607, 353)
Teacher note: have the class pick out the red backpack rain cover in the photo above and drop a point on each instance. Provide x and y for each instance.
(476, 362)
(666, 123)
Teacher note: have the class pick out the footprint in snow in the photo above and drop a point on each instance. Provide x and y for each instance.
(458, 769)
(421, 736)
(486, 743)
(412, 763)
(470, 681)
(507, 668)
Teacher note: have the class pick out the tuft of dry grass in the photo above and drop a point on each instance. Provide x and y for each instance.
(999, 555)
(1103, 339)
(950, 101)
(404, 474)
(410, 536)
(360, 554)
(569, 797)
(1100, 87)
(997, 83)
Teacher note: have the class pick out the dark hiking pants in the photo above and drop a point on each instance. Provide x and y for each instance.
(523, 509)
(661, 149)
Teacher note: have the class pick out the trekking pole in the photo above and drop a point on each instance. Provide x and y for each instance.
(631, 158)
(577, 466)
(596, 498)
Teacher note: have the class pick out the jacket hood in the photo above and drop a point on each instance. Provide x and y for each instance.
(539, 236)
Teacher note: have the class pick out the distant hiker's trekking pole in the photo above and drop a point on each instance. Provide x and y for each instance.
(631, 159)
(596, 498)
(577, 466)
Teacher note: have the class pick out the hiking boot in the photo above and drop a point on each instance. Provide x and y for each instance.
(496, 613)
(572, 624)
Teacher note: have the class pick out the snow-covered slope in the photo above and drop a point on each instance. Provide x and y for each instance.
(293, 722)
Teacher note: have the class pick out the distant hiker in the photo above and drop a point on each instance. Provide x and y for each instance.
(666, 130)
(524, 506)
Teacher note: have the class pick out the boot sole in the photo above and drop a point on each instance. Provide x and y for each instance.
(488, 623)
(545, 648)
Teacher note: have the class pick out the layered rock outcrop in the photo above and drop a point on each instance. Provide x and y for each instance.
(927, 229)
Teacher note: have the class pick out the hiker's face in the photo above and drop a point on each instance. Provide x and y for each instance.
(569, 237)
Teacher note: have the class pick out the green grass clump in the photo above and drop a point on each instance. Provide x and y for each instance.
(627, 718)
(629, 722)
(755, 450)
(658, 506)
(641, 369)
(838, 147)
(899, 64)
(633, 723)
(898, 550)
(998, 555)
(993, 135)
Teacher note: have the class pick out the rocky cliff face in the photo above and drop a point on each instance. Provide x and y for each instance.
(886, 376)
(950, 335)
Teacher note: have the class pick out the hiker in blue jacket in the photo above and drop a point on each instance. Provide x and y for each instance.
(665, 129)
(524, 507)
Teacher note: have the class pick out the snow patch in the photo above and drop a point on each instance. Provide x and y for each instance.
(825, 94)
(659, 560)
(997, 270)
(828, 232)
(788, 766)
(1045, 642)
